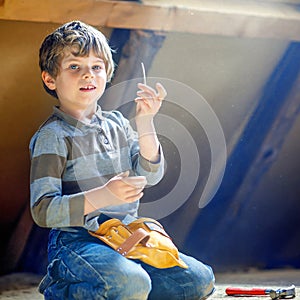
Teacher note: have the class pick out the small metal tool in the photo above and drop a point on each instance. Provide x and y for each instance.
(283, 293)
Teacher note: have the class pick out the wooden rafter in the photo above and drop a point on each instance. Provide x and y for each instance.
(257, 150)
(263, 19)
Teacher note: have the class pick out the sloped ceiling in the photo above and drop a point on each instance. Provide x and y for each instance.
(267, 19)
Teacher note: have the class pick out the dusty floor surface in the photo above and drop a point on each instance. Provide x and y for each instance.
(23, 286)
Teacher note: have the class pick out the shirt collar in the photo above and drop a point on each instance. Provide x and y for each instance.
(77, 123)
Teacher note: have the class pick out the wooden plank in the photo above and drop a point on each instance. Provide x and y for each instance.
(229, 18)
(273, 143)
(190, 3)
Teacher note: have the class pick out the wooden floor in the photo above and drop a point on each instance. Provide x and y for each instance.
(23, 286)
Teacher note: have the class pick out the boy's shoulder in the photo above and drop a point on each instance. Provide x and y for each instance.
(52, 124)
(48, 130)
(51, 137)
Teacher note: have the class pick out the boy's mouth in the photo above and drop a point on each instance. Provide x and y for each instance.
(87, 88)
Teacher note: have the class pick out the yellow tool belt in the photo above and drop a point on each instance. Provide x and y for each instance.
(144, 239)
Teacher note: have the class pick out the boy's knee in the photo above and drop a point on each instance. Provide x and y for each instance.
(208, 283)
(138, 284)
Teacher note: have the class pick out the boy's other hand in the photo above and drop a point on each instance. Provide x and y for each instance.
(118, 190)
(126, 189)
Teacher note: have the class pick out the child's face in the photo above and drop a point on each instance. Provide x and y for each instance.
(80, 81)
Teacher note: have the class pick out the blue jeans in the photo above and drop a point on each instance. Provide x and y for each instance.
(82, 267)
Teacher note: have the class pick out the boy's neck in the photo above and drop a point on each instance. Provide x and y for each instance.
(83, 115)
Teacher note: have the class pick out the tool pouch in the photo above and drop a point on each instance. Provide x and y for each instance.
(144, 239)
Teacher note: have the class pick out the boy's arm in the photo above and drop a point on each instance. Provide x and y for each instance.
(148, 104)
(49, 206)
(148, 141)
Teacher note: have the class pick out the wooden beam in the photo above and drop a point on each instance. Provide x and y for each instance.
(274, 140)
(262, 19)
(141, 46)
(258, 147)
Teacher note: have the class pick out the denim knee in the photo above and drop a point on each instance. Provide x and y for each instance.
(207, 283)
(134, 283)
(202, 276)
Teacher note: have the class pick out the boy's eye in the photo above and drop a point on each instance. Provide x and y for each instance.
(97, 67)
(74, 67)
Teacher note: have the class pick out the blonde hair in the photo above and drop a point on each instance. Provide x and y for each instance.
(80, 39)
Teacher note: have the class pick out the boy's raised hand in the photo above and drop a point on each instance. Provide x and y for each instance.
(149, 100)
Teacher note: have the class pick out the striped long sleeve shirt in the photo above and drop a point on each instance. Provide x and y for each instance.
(69, 157)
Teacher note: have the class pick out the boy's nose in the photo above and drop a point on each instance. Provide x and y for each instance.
(88, 73)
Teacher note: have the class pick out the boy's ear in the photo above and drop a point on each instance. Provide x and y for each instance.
(48, 80)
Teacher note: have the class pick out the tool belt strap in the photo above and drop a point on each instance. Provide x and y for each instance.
(139, 236)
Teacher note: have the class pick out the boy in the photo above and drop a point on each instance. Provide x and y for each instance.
(81, 159)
